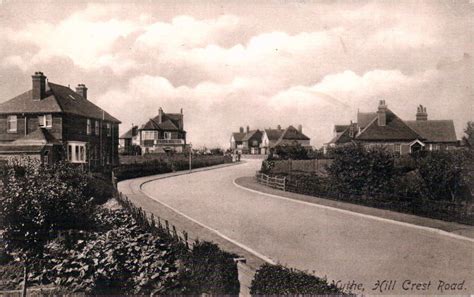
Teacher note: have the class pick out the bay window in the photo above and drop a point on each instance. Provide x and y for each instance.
(76, 152)
(12, 126)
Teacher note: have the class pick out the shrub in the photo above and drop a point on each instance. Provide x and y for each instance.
(278, 280)
(209, 270)
(358, 170)
(293, 152)
(99, 189)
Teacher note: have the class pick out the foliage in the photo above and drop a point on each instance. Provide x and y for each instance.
(267, 166)
(358, 170)
(99, 189)
(279, 280)
(294, 152)
(164, 164)
(123, 259)
(469, 134)
(38, 201)
(209, 270)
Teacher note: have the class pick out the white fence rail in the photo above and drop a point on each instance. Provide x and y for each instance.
(272, 182)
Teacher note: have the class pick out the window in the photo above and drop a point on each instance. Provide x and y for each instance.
(397, 148)
(89, 128)
(76, 152)
(97, 128)
(167, 135)
(45, 121)
(109, 129)
(12, 124)
(149, 135)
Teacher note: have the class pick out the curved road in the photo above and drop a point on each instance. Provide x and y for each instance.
(342, 246)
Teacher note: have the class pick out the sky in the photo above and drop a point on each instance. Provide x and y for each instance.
(247, 63)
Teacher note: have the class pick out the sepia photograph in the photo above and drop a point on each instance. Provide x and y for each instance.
(236, 148)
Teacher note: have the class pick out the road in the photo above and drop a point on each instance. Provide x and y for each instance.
(344, 247)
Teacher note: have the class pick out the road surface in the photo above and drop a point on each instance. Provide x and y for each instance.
(353, 250)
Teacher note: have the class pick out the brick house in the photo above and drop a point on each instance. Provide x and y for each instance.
(385, 128)
(163, 133)
(51, 122)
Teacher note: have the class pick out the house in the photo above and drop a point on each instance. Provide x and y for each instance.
(51, 122)
(385, 128)
(236, 141)
(163, 133)
(263, 141)
(279, 137)
(128, 140)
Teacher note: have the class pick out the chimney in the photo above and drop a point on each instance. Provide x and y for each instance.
(160, 115)
(81, 89)
(39, 86)
(382, 113)
(421, 114)
(300, 128)
(279, 127)
(241, 130)
(248, 129)
(181, 111)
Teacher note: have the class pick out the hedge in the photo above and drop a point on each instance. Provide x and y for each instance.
(279, 280)
(166, 165)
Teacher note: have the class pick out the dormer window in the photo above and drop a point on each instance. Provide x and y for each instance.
(45, 121)
(12, 124)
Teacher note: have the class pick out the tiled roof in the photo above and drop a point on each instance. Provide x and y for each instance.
(5, 149)
(290, 135)
(59, 99)
(364, 118)
(170, 122)
(238, 136)
(434, 130)
(250, 134)
(395, 129)
(274, 134)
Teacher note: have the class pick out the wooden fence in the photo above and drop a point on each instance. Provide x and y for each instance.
(272, 182)
(309, 166)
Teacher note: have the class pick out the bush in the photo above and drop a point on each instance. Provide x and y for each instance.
(293, 152)
(209, 270)
(358, 170)
(99, 189)
(279, 280)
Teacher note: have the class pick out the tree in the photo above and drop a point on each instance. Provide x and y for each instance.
(468, 138)
(291, 151)
(38, 202)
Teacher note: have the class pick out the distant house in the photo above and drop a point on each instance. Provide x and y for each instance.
(263, 141)
(51, 122)
(128, 139)
(385, 128)
(163, 133)
(236, 141)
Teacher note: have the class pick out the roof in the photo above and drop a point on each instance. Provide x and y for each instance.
(364, 118)
(59, 99)
(340, 128)
(250, 134)
(169, 122)
(290, 135)
(31, 143)
(130, 133)
(274, 134)
(238, 136)
(395, 129)
(434, 130)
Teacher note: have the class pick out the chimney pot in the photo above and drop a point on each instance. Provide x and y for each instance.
(81, 89)
(279, 127)
(421, 114)
(38, 86)
(241, 129)
(160, 115)
(300, 128)
(248, 129)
